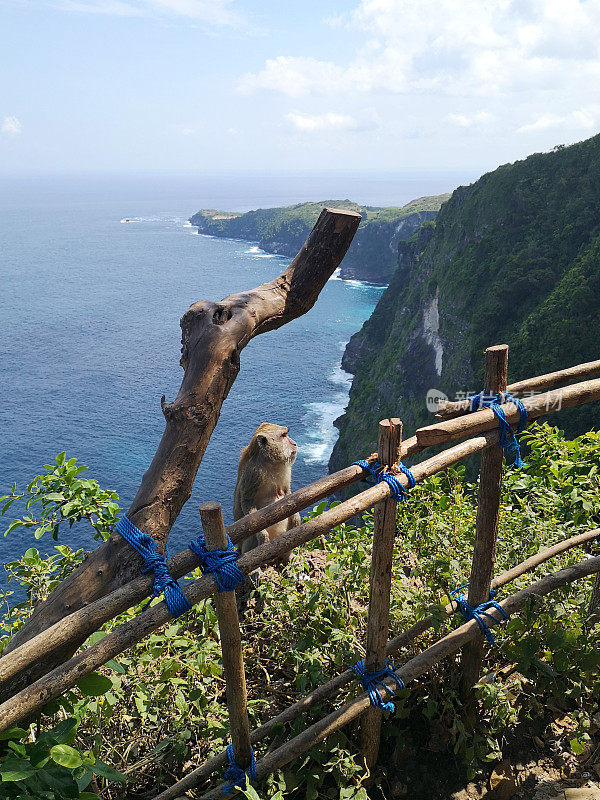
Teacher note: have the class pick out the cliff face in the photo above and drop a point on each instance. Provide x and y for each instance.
(514, 258)
(373, 254)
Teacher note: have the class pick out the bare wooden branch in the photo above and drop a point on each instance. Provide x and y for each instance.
(520, 388)
(485, 420)
(378, 623)
(215, 537)
(413, 669)
(332, 687)
(34, 696)
(213, 335)
(486, 525)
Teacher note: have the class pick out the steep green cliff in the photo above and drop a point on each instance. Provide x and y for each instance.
(514, 258)
(373, 254)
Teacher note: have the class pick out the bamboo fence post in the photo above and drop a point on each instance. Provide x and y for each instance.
(215, 537)
(384, 531)
(486, 526)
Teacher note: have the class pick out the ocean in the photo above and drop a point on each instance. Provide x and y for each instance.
(90, 337)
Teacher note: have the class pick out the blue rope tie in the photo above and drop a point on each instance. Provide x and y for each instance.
(371, 682)
(478, 612)
(238, 777)
(508, 440)
(176, 601)
(376, 470)
(222, 563)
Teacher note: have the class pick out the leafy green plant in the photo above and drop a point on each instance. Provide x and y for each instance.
(63, 497)
(162, 704)
(48, 767)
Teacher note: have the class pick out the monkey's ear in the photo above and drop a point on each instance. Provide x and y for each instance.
(262, 440)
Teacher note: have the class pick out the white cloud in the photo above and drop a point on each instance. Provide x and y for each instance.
(584, 119)
(469, 121)
(10, 126)
(294, 76)
(324, 122)
(470, 47)
(114, 7)
(212, 12)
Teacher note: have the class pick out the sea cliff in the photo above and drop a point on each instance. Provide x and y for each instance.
(514, 258)
(373, 255)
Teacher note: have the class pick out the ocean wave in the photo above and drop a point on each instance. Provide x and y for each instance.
(362, 285)
(166, 218)
(256, 252)
(354, 282)
(340, 377)
(321, 434)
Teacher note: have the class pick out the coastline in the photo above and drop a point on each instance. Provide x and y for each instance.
(337, 275)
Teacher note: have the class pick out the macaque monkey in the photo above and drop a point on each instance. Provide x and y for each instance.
(264, 475)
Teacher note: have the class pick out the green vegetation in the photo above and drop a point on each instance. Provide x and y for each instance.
(159, 710)
(514, 258)
(372, 255)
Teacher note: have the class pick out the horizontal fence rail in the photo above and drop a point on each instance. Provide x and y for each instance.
(485, 420)
(564, 376)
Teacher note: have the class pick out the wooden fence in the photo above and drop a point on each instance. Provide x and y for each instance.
(481, 434)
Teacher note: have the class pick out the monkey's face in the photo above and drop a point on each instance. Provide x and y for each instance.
(275, 443)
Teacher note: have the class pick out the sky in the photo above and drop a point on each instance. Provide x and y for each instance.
(270, 85)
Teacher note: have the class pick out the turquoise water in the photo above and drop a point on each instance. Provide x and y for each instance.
(90, 336)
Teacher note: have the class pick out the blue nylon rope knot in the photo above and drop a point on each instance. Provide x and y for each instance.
(371, 682)
(508, 440)
(144, 544)
(376, 470)
(222, 563)
(238, 777)
(478, 612)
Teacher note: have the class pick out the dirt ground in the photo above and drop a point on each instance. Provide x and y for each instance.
(538, 767)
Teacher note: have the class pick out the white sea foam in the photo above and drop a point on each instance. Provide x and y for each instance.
(321, 433)
(256, 252)
(340, 377)
(354, 283)
(166, 218)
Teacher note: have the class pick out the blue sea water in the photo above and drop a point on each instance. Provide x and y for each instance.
(89, 337)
